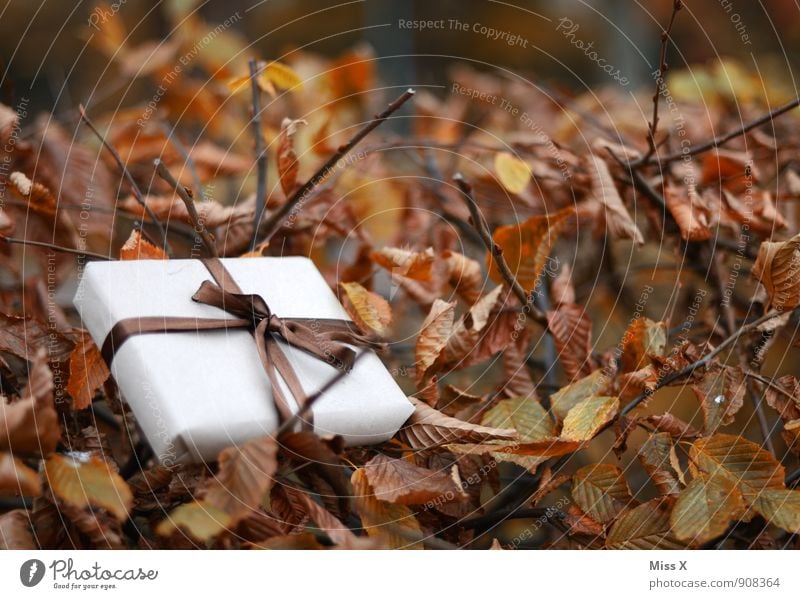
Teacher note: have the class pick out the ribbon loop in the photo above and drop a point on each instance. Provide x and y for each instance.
(324, 338)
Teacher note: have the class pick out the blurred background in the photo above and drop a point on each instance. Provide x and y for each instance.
(44, 46)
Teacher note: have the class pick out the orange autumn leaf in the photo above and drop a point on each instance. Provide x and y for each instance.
(526, 247)
(138, 248)
(87, 372)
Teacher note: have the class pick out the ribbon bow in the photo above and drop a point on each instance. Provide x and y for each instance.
(324, 338)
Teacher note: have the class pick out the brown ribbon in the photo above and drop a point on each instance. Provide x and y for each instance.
(324, 338)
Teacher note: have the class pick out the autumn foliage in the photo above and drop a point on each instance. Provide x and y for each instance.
(597, 331)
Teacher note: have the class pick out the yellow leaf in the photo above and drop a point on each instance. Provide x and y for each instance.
(83, 481)
(601, 492)
(531, 421)
(370, 311)
(586, 419)
(199, 519)
(705, 508)
(566, 398)
(514, 173)
(526, 247)
(281, 76)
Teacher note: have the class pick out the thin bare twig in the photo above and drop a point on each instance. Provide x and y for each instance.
(663, 67)
(261, 153)
(194, 217)
(702, 362)
(173, 139)
(497, 253)
(718, 141)
(730, 321)
(274, 222)
(290, 423)
(137, 193)
(55, 248)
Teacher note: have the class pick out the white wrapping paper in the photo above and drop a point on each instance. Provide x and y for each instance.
(195, 393)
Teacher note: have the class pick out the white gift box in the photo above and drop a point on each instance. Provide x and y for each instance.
(195, 393)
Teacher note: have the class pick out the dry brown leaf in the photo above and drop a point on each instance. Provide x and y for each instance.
(466, 334)
(399, 481)
(780, 507)
(643, 527)
(672, 425)
(15, 530)
(689, 211)
(428, 428)
(138, 248)
(777, 266)
(465, 275)
(30, 426)
(561, 289)
(705, 508)
(87, 372)
(433, 338)
(743, 462)
(405, 263)
(212, 214)
(526, 247)
(602, 493)
(721, 394)
(618, 221)
(390, 523)
(571, 328)
(39, 198)
(643, 339)
(17, 479)
(655, 454)
(288, 164)
(244, 478)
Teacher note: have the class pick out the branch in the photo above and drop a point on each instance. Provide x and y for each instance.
(718, 141)
(274, 222)
(261, 153)
(55, 248)
(290, 423)
(730, 321)
(662, 71)
(497, 253)
(194, 217)
(137, 193)
(744, 329)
